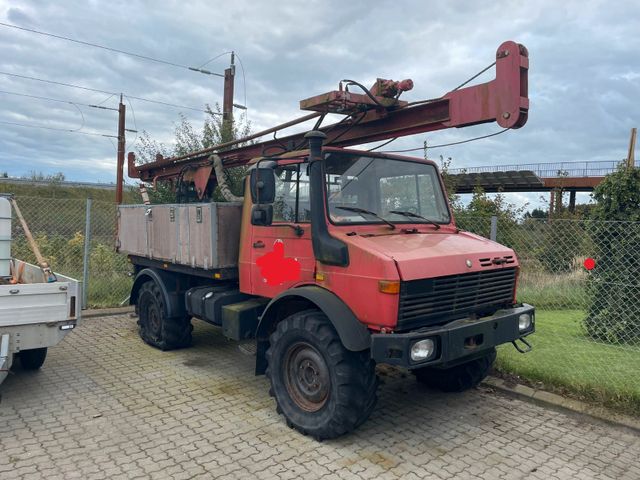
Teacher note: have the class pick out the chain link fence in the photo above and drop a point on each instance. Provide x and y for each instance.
(583, 277)
(588, 320)
(77, 238)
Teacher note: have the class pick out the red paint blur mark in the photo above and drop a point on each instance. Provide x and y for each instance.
(589, 264)
(275, 268)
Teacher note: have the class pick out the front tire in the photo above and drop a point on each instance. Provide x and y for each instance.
(33, 359)
(459, 378)
(155, 327)
(321, 388)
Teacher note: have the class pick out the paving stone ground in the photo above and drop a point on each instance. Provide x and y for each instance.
(107, 406)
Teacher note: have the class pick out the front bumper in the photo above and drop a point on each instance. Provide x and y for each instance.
(456, 342)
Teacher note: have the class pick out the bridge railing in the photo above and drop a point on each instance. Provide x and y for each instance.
(551, 170)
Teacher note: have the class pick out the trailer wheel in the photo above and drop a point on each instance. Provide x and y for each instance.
(33, 359)
(321, 388)
(459, 378)
(156, 328)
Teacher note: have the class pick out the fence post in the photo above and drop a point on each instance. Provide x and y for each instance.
(494, 228)
(85, 258)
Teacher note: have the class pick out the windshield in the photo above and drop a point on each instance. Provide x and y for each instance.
(376, 187)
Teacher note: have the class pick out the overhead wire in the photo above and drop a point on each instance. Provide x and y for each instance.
(58, 129)
(124, 52)
(244, 82)
(106, 99)
(53, 82)
(215, 58)
(69, 102)
(38, 97)
(135, 124)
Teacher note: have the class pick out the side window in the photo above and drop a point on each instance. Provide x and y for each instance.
(304, 199)
(292, 203)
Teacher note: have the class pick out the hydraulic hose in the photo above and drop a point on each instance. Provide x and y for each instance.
(222, 180)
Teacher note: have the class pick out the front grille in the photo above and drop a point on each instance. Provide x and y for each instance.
(434, 300)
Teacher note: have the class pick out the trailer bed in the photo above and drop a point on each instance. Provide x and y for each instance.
(35, 314)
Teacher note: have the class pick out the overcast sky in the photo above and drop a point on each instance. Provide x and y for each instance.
(584, 78)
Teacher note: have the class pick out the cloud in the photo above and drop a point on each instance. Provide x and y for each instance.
(584, 70)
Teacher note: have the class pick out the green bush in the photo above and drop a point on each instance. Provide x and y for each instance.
(614, 311)
(560, 244)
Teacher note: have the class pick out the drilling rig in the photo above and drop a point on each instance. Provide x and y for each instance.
(334, 259)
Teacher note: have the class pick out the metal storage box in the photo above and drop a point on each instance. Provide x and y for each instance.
(199, 235)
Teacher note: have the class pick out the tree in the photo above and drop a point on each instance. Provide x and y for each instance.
(537, 213)
(189, 139)
(450, 181)
(614, 311)
(41, 177)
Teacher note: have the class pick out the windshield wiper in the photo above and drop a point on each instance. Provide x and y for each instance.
(415, 215)
(367, 212)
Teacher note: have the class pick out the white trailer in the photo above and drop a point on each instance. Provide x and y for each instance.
(34, 314)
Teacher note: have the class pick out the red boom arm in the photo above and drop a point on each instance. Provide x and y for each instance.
(503, 100)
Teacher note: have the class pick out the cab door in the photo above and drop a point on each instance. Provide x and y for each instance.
(281, 253)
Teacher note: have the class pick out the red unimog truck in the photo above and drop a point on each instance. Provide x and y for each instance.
(334, 260)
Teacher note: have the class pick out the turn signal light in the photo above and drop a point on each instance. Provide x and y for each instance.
(389, 286)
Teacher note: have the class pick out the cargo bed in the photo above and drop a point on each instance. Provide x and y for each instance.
(203, 236)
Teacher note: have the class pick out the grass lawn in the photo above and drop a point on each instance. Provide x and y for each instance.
(565, 359)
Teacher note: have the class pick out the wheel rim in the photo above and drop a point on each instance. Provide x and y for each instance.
(153, 318)
(306, 377)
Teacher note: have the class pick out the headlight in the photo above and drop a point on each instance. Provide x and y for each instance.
(524, 322)
(423, 349)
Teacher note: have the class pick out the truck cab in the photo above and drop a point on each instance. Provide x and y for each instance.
(376, 233)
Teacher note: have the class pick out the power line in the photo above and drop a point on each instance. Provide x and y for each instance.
(58, 83)
(447, 144)
(58, 129)
(89, 44)
(215, 58)
(56, 100)
(244, 81)
(135, 124)
(102, 91)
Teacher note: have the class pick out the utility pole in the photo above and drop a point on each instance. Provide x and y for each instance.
(227, 100)
(632, 147)
(121, 146)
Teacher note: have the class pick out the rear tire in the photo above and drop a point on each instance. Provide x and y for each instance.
(459, 378)
(321, 388)
(156, 328)
(33, 359)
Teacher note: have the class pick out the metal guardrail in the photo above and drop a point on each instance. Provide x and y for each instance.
(551, 170)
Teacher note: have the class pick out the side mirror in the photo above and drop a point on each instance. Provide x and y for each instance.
(262, 215)
(263, 186)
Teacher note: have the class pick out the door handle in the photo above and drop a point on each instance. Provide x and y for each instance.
(258, 244)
